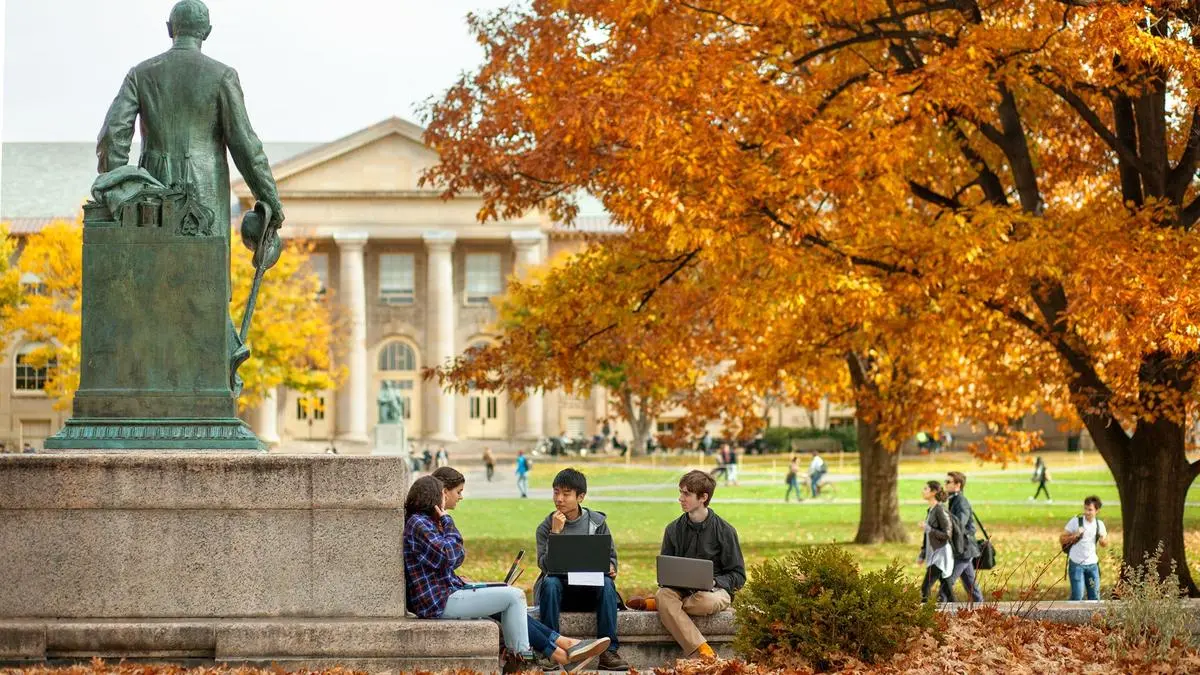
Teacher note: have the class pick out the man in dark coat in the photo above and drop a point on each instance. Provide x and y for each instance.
(191, 112)
(960, 511)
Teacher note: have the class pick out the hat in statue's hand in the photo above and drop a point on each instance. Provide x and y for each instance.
(258, 236)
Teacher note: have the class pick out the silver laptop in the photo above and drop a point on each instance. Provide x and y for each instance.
(692, 574)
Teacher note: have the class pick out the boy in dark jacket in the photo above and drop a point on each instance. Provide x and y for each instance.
(551, 592)
(699, 533)
(960, 511)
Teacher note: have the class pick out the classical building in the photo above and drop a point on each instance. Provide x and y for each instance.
(413, 272)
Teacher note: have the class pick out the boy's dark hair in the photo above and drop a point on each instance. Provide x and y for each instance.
(699, 483)
(570, 479)
(424, 496)
(1093, 500)
(958, 477)
(450, 478)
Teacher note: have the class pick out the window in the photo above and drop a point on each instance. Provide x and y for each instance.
(31, 284)
(318, 264)
(29, 377)
(397, 356)
(483, 277)
(396, 285)
(665, 426)
(576, 426)
(310, 407)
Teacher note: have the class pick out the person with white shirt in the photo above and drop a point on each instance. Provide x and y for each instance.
(816, 471)
(1084, 532)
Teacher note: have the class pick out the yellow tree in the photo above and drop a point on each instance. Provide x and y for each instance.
(292, 336)
(1031, 162)
(10, 289)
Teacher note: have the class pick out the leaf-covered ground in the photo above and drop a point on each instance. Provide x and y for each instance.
(983, 641)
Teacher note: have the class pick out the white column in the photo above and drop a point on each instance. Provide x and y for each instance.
(441, 310)
(530, 416)
(352, 398)
(267, 422)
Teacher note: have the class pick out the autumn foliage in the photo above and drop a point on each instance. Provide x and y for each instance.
(1017, 179)
(292, 337)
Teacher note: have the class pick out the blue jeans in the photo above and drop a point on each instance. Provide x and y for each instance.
(555, 597)
(523, 484)
(815, 482)
(1082, 576)
(793, 484)
(965, 569)
(519, 630)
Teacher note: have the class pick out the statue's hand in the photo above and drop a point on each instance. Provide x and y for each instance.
(276, 216)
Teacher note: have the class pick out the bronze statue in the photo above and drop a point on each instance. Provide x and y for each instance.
(191, 111)
(391, 408)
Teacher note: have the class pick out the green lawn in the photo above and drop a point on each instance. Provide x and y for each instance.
(1025, 533)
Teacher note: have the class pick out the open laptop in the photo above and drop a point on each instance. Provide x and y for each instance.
(514, 573)
(578, 553)
(692, 574)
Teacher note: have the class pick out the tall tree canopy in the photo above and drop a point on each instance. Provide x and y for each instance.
(1025, 161)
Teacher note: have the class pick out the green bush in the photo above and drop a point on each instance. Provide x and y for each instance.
(1147, 613)
(779, 439)
(815, 606)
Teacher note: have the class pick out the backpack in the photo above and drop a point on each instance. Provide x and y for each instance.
(1067, 544)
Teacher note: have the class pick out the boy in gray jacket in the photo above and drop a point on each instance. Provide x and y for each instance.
(551, 592)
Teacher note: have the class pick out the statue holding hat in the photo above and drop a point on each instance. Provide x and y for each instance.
(191, 111)
(160, 352)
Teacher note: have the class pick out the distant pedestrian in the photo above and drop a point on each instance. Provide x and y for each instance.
(936, 553)
(442, 458)
(427, 460)
(1083, 533)
(965, 562)
(28, 449)
(523, 467)
(816, 471)
(489, 463)
(1041, 476)
(706, 443)
(731, 469)
(722, 464)
(793, 480)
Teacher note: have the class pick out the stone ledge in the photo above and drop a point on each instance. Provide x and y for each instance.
(367, 644)
(645, 642)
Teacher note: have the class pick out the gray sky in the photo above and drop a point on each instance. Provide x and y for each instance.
(312, 70)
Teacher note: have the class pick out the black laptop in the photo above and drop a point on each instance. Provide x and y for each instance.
(577, 553)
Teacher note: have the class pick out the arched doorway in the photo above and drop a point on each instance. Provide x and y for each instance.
(486, 412)
(396, 362)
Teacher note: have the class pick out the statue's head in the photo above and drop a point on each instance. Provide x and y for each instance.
(190, 18)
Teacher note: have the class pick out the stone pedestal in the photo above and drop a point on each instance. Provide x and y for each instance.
(223, 556)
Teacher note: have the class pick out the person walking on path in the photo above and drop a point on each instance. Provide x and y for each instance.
(489, 462)
(816, 471)
(793, 480)
(722, 464)
(1041, 476)
(936, 554)
(1083, 533)
(960, 510)
(731, 469)
(523, 467)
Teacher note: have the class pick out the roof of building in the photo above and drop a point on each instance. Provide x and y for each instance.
(43, 182)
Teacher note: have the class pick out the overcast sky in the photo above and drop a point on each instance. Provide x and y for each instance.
(312, 70)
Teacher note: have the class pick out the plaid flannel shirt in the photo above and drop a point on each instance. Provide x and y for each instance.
(432, 551)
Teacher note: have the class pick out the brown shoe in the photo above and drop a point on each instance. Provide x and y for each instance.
(611, 660)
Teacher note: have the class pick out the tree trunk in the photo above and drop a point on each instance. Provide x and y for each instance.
(1153, 476)
(879, 469)
(639, 419)
(879, 505)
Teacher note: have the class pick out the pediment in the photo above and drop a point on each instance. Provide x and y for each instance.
(386, 158)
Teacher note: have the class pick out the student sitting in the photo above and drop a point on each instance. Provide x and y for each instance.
(551, 592)
(433, 549)
(698, 533)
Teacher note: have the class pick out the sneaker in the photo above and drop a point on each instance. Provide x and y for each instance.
(579, 656)
(611, 660)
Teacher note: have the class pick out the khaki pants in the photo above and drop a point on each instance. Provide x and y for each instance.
(675, 612)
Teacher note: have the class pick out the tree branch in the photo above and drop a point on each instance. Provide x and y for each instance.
(1126, 153)
(1182, 175)
(713, 12)
(874, 37)
(926, 193)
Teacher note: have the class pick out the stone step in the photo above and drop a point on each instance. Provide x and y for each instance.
(361, 644)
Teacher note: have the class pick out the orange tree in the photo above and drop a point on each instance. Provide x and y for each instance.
(291, 338)
(1031, 161)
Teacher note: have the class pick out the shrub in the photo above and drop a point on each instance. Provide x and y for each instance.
(779, 439)
(1146, 612)
(816, 606)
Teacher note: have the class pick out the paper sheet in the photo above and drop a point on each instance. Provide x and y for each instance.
(585, 578)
